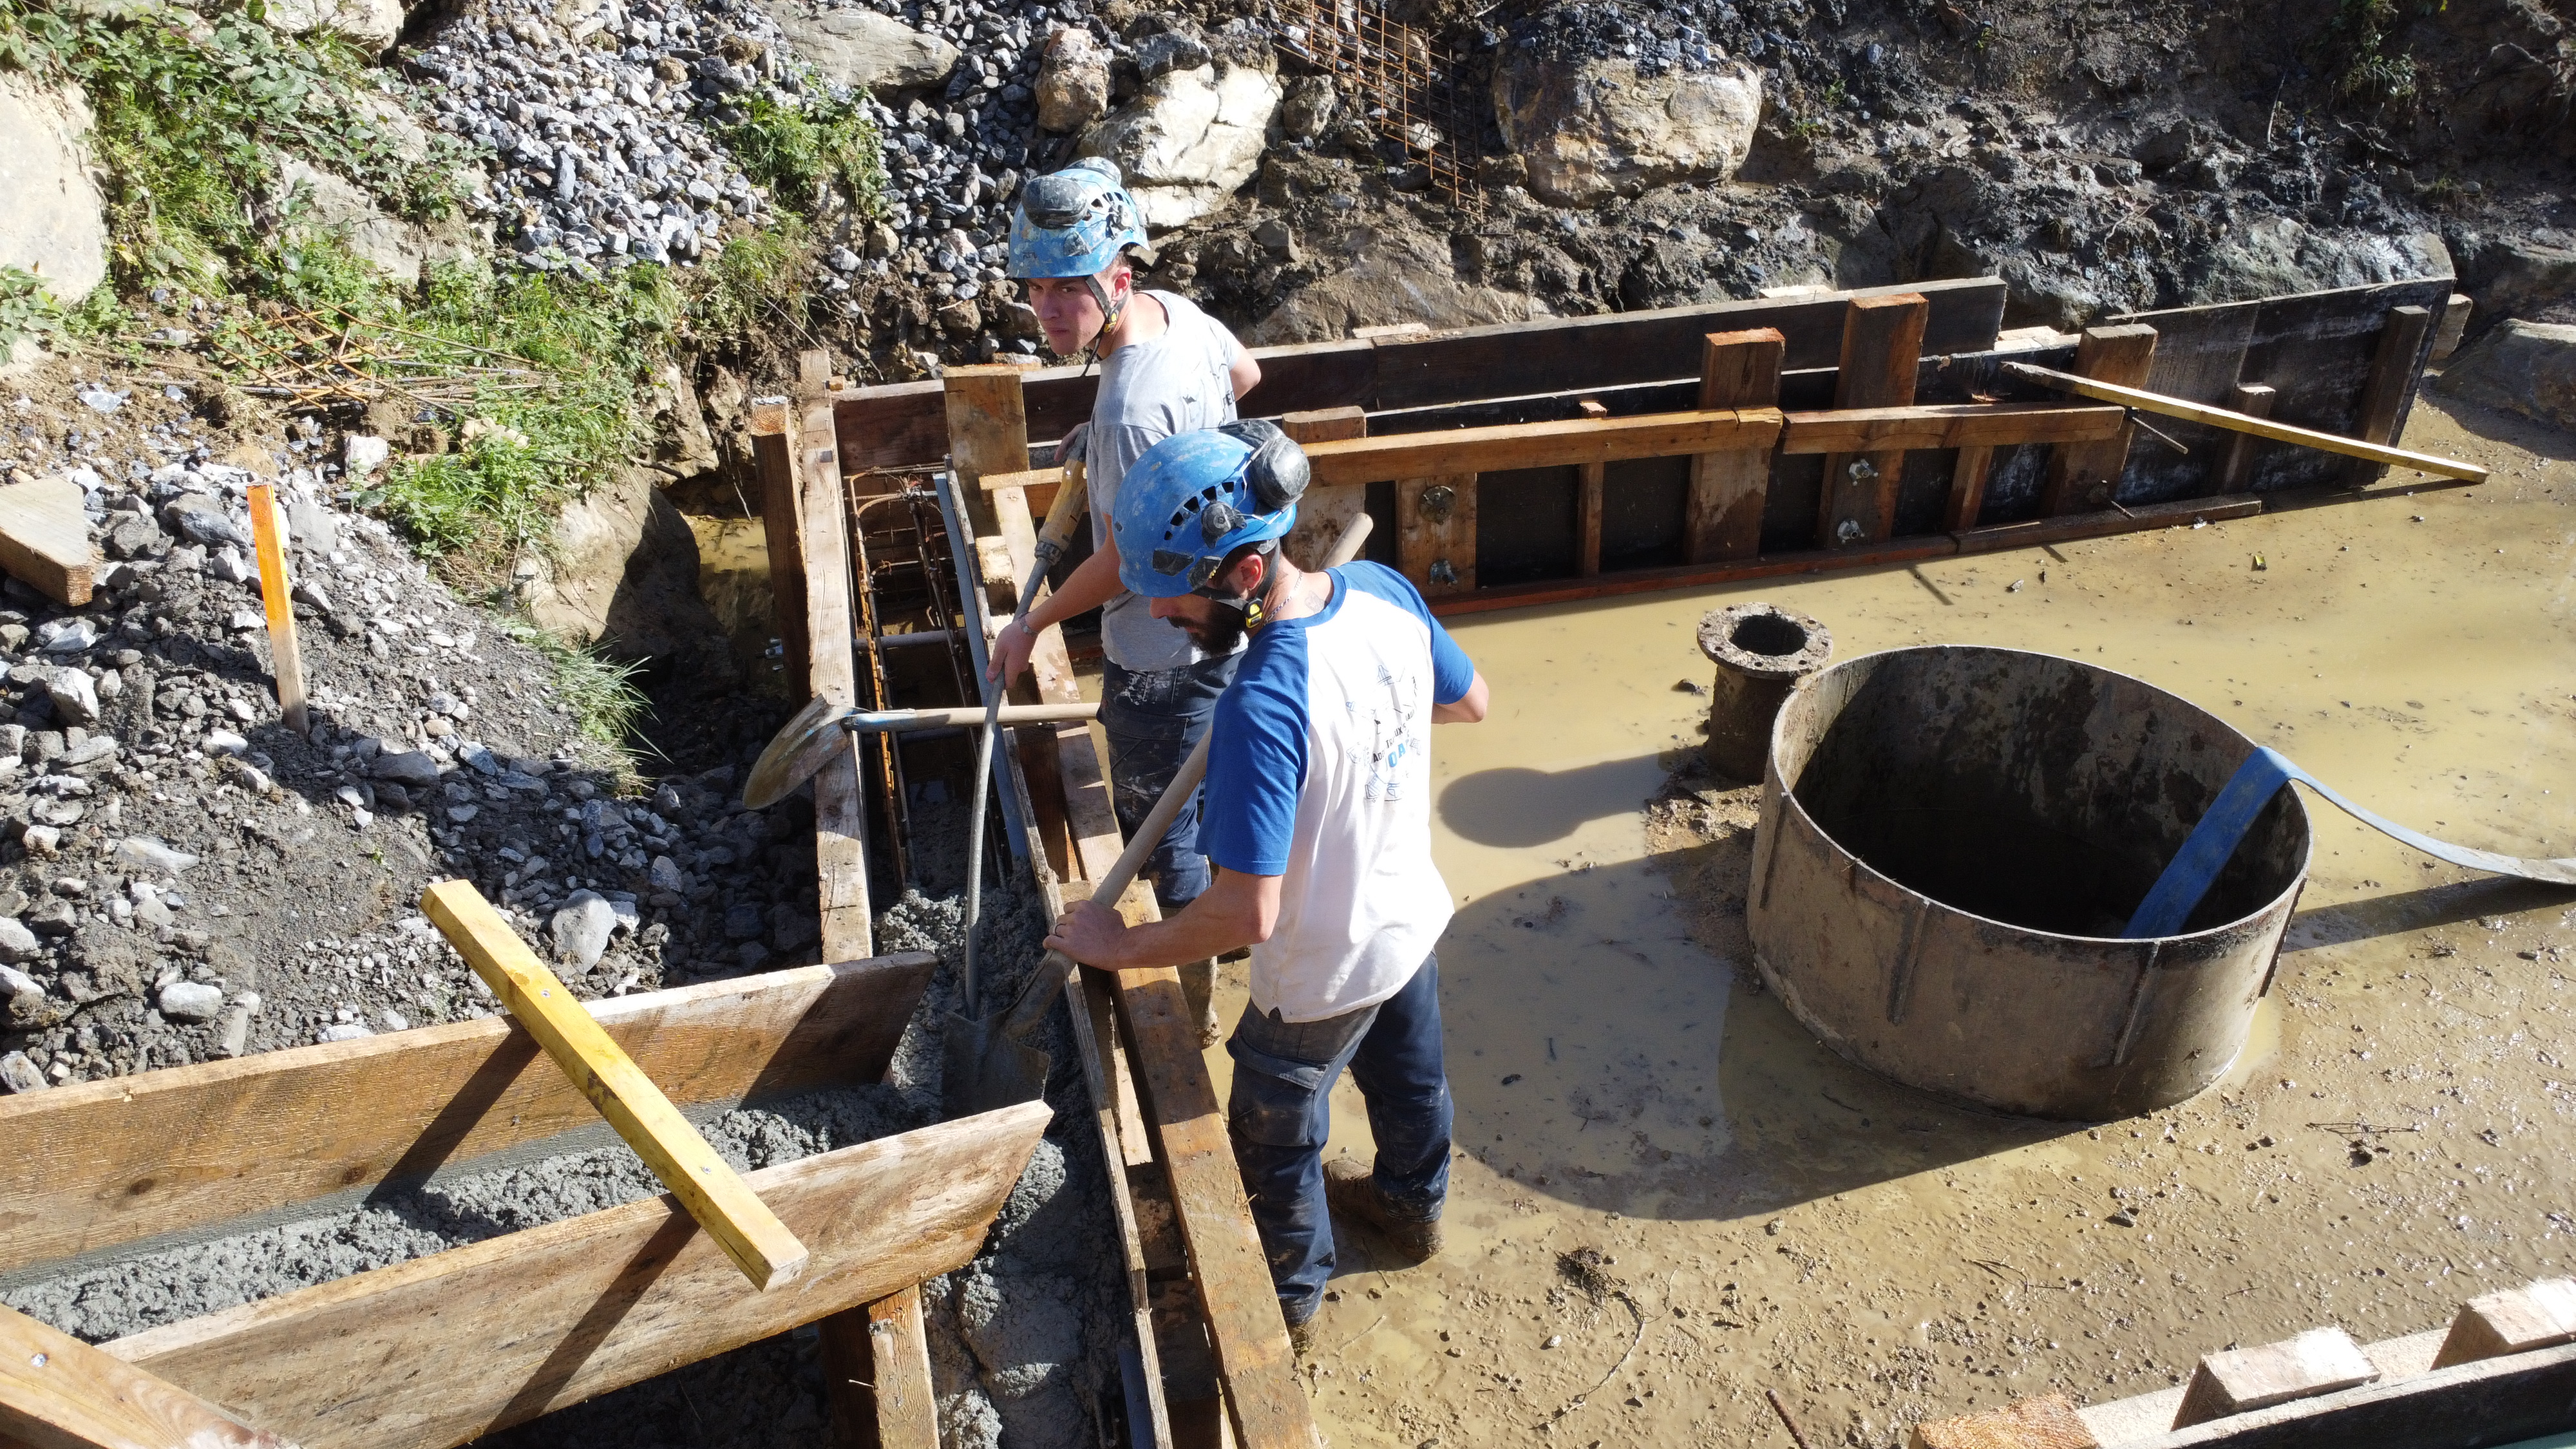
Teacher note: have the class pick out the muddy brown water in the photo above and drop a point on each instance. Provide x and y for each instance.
(2396, 1137)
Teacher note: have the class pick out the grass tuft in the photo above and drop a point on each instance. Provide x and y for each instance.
(807, 155)
(599, 693)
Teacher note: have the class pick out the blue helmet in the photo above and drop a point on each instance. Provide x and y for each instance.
(1193, 498)
(1074, 223)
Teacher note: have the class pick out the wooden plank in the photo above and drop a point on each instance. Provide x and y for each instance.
(1568, 443)
(1435, 533)
(2393, 369)
(840, 808)
(1947, 425)
(94, 1164)
(1587, 508)
(2259, 427)
(1267, 1405)
(443, 1349)
(2236, 465)
(882, 1398)
(1882, 348)
(1728, 489)
(1325, 511)
(705, 1183)
(1967, 487)
(2087, 475)
(988, 431)
(57, 1392)
(44, 539)
(782, 524)
(2181, 513)
(286, 658)
(2454, 327)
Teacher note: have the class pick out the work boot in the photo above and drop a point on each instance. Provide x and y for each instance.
(1301, 1336)
(1350, 1188)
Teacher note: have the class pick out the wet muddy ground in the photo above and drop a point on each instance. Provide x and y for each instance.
(1671, 1199)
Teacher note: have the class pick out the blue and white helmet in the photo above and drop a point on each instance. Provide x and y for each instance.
(1193, 498)
(1074, 222)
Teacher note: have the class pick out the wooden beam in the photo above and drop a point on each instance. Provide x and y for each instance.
(2393, 368)
(881, 1399)
(2453, 328)
(840, 807)
(1435, 532)
(1325, 511)
(705, 1183)
(57, 1392)
(1967, 487)
(94, 1164)
(443, 1349)
(1588, 481)
(2180, 513)
(774, 438)
(2236, 465)
(1947, 425)
(2087, 475)
(44, 539)
(1882, 348)
(2192, 412)
(286, 656)
(988, 431)
(1728, 489)
(1569, 442)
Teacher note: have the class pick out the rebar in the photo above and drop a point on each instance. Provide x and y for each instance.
(1402, 81)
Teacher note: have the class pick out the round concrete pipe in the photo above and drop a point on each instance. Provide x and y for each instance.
(1951, 840)
(1761, 652)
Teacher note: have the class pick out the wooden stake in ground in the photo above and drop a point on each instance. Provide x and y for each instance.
(705, 1184)
(269, 534)
(57, 1392)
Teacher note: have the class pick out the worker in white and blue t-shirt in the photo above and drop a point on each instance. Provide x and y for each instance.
(1318, 819)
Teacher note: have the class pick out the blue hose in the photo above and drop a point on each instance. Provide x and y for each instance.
(2177, 892)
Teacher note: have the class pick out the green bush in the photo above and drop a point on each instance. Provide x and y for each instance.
(806, 153)
(26, 309)
(2365, 53)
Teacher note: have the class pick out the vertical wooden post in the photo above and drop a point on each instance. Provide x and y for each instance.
(1882, 347)
(877, 1374)
(988, 432)
(1325, 511)
(1728, 490)
(2236, 465)
(268, 530)
(774, 433)
(840, 808)
(1435, 533)
(2455, 326)
(1967, 488)
(1587, 546)
(2084, 476)
(2391, 384)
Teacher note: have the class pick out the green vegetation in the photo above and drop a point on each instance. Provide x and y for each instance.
(26, 308)
(804, 154)
(2366, 52)
(598, 692)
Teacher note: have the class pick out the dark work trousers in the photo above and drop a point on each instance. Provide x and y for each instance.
(1280, 1113)
(1153, 719)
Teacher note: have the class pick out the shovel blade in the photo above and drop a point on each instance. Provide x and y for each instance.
(799, 751)
(984, 1068)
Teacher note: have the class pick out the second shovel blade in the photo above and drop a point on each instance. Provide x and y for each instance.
(802, 747)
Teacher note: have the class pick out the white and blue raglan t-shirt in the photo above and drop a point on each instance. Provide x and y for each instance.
(1319, 771)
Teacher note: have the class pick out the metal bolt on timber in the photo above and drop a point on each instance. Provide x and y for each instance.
(1761, 652)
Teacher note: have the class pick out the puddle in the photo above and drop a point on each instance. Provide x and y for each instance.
(733, 578)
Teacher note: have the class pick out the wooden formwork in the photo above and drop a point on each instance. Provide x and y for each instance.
(442, 1349)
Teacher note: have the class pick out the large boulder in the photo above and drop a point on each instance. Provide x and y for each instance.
(2524, 367)
(863, 49)
(53, 225)
(2277, 256)
(1591, 129)
(330, 203)
(371, 25)
(1381, 278)
(1190, 140)
(1073, 82)
(2519, 277)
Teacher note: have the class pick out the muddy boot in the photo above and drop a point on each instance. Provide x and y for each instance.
(1301, 1336)
(1198, 983)
(1350, 1187)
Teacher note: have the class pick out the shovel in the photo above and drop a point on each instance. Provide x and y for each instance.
(805, 744)
(987, 1063)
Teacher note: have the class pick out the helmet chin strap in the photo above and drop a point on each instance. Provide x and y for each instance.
(1110, 310)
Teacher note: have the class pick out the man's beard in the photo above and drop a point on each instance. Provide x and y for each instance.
(1219, 635)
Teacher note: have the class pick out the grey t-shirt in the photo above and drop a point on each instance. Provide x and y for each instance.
(1173, 383)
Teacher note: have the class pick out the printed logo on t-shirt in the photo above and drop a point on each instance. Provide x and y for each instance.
(1395, 743)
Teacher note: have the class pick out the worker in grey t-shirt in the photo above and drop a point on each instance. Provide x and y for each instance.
(1165, 368)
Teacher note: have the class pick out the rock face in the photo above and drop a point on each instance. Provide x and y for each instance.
(2278, 256)
(864, 49)
(2526, 367)
(1385, 278)
(1073, 82)
(396, 248)
(2521, 278)
(52, 225)
(1588, 130)
(370, 25)
(1190, 140)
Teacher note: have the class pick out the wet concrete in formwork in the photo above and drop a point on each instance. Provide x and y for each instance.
(1670, 1198)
